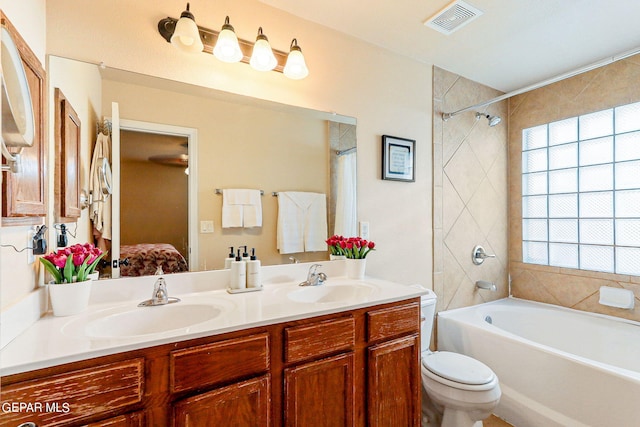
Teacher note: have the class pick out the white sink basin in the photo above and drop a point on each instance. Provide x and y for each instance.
(131, 322)
(332, 293)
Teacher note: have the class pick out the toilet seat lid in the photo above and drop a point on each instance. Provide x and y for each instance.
(458, 367)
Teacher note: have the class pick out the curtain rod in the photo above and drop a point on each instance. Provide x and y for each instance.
(601, 63)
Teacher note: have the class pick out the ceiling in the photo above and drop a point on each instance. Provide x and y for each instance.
(513, 44)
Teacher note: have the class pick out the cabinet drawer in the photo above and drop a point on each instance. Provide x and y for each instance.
(318, 339)
(77, 394)
(393, 321)
(219, 362)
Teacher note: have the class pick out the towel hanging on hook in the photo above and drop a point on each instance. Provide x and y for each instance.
(103, 127)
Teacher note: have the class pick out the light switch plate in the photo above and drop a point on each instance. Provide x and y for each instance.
(364, 229)
(206, 226)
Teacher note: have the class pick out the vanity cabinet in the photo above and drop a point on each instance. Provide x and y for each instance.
(100, 391)
(322, 388)
(394, 333)
(353, 368)
(246, 403)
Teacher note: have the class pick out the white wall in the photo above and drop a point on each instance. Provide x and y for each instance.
(387, 93)
(17, 277)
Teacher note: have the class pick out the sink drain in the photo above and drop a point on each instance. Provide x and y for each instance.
(488, 319)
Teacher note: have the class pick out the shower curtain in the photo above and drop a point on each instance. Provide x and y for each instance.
(346, 212)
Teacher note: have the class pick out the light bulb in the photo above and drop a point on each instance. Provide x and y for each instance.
(227, 48)
(186, 35)
(296, 67)
(262, 58)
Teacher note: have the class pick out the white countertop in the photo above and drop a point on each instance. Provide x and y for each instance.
(56, 340)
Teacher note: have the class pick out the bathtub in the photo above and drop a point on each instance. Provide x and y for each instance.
(556, 366)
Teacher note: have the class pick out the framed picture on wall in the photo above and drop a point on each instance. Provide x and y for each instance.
(398, 158)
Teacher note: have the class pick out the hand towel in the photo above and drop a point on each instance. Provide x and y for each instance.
(302, 222)
(241, 208)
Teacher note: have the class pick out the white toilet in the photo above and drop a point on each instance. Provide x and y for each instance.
(457, 390)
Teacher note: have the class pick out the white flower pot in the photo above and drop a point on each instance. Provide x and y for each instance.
(69, 298)
(333, 257)
(356, 268)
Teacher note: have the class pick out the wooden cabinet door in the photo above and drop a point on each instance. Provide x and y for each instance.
(320, 393)
(135, 419)
(24, 193)
(243, 404)
(394, 383)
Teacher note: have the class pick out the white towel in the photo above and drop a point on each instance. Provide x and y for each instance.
(302, 222)
(100, 210)
(241, 208)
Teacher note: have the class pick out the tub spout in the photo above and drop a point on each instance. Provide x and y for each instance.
(483, 284)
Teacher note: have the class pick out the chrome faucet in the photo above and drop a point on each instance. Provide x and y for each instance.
(160, 295)
(313, 277)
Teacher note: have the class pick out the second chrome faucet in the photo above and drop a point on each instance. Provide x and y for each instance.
(314, 278)
(160, 295)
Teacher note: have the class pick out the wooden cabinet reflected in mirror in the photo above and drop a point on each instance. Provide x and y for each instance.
(67, 168)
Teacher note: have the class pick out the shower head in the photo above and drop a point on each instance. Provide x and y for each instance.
(493, 120)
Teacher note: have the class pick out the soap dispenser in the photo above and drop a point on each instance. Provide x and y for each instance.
(238, 273)
(245, 254)
(229, 259)
(254, 277)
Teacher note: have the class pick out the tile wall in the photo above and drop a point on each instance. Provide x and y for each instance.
(469, 192)
(602, 88)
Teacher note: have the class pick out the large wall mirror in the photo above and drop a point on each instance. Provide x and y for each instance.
(179, 143)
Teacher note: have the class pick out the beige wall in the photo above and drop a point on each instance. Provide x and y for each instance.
(157, 205)
(469, 192)
(606, 87)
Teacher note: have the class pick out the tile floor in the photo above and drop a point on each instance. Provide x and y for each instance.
(494, 421)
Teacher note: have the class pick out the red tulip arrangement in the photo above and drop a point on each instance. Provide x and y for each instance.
(351, 247)
(72, 264)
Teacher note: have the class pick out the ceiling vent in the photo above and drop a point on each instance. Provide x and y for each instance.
(453, 17)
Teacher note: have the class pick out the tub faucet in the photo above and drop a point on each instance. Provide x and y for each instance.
(484, 284)
(313, 277)
(160, 295)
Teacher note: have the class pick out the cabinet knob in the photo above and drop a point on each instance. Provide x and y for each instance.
(28, 424)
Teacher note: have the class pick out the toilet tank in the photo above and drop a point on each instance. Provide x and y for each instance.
(428, 312)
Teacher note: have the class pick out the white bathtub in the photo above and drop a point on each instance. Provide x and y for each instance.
(556, 366)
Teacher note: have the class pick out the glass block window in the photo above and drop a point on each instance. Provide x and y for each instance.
(581, 192)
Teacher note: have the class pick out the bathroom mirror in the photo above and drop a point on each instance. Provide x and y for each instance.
(242, 142)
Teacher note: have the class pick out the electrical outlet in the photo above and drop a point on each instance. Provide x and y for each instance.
(206, 226)
(364, 230)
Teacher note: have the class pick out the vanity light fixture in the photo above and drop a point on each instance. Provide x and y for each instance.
(186, 36)
(260, 55)
(227, 48)
(262, 58)
(296, 67)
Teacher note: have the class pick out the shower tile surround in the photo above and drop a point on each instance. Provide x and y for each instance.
(454, 189)
(469, 193)
(599, 89)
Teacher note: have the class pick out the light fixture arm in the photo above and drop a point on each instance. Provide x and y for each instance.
(167, 26)
(13, 159)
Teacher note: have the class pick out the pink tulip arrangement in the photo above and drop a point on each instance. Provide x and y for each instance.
(72, 264)
(351, 247)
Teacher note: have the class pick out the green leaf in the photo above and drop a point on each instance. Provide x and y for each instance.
(82, 271)
(52, 269)
(68, 269)
(93, 265)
